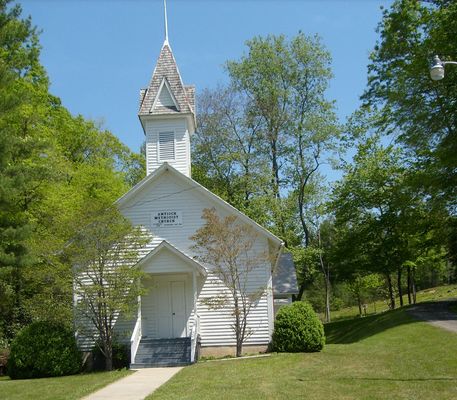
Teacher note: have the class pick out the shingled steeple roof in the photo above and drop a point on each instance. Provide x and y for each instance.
(166, 83)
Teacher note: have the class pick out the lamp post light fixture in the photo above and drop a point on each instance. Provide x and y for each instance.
(437, 68)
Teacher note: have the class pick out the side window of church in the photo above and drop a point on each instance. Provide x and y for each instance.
(166, 146)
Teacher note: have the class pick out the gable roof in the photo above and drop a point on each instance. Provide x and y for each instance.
(166, 68)
(166, 245)
(148, 180)
(285, 276)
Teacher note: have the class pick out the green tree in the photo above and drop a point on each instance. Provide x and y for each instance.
(360, 285)
(285, 83)
(106, 282)
(419, 112)
(226, 154)
(19, 69)
(379, 216)
(51, 165)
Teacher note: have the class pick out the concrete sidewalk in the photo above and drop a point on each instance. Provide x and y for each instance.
(136, 386)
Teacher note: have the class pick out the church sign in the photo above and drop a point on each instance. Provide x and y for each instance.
(167, 218)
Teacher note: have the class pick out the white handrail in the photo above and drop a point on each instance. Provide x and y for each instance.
(135, 340)
(136, 337)
(194, 337)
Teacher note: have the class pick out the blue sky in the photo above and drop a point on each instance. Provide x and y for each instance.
(99, 53)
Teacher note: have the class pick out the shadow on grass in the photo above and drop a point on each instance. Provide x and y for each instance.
(354, 330)
(384, 379)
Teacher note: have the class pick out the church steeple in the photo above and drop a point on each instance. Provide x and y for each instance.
(167, 113)
(165, 20)
(166, 77)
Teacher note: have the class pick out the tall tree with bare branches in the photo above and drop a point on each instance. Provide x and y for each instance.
(227, 245)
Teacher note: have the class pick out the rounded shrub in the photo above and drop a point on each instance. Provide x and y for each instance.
(43, 349)
(298, 329)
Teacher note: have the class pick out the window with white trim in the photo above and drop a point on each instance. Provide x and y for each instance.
(166, 146)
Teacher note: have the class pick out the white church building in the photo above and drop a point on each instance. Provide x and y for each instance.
(174, 323)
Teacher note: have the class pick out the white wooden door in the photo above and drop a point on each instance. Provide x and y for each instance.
(178, 308)
(171, 308)
(163, 310)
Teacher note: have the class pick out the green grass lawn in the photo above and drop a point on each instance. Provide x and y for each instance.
(387, 356)
(66, 387)
(437, 293)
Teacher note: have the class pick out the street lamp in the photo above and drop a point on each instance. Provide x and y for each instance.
(437, 68)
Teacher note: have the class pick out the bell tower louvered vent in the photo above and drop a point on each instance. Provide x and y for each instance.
(166, 146)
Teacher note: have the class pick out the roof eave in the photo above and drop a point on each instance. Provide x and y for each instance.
(186, 258)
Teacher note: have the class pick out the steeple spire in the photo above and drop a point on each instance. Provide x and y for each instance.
(166, 20)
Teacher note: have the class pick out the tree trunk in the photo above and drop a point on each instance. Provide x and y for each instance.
(108, 350)
(274, 166)
(108, 364)
(413, 286)
(327, 299)
(295, 297)
(400, 290)
(359, 302)
(326, 272)
(391, 292)
(239, 339)
(301, 290)
(239, 349)
(408, 271)
(302, 216)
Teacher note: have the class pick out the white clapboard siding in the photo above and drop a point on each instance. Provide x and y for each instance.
(124, 328)
(181, 159)
(169, 193)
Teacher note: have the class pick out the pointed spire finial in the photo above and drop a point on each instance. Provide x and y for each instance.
(166, 20)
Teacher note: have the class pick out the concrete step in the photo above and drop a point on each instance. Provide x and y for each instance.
(158, 365)
(161, 357)
(165, 361)
(171, 340)
(158, 347)
(162, 353)
(173, 354)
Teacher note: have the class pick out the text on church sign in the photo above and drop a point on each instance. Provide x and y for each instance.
(167, 218)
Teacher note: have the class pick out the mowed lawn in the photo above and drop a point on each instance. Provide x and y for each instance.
(67, 387)
(388, 356)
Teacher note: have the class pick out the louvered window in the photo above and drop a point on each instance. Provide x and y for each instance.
(166, 146)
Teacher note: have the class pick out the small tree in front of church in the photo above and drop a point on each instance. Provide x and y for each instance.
(106, 282)
(227, 246)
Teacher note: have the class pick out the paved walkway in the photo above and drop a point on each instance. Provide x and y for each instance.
(136, 386)
(436, 313)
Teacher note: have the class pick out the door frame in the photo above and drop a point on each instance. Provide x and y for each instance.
(166, 281)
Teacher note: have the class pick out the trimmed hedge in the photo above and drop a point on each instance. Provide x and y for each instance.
(298, 329)
(43, 349)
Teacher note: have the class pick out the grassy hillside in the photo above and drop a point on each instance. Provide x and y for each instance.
(437, 293)
(386, 356)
